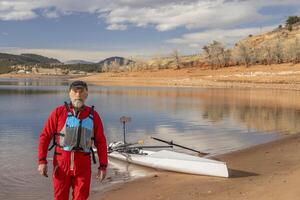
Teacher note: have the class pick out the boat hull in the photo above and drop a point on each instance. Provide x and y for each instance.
(174, 161)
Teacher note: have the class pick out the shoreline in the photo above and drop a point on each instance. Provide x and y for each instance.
(281, 76)
(266, 171)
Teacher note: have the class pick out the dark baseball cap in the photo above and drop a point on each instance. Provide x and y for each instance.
(78, 85)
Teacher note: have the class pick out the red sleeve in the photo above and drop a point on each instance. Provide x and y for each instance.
(46, 136)
(100, 141)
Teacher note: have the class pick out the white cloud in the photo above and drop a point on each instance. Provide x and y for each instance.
(227, 36)
(117, 27)
(16, 10)
(190, 15)
(51, 14)
(164, 15)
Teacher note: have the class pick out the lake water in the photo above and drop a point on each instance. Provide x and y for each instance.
(210, 120)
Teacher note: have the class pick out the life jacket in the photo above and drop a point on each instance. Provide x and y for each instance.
(77, 134)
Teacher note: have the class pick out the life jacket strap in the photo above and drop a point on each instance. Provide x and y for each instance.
(54, 143)
(93, 155)
(68, 109)
(91, 115)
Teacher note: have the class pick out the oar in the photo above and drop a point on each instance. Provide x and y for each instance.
(174, 144)
(151, 147)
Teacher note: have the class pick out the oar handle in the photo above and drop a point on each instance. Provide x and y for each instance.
(151, 147)
(172, 143)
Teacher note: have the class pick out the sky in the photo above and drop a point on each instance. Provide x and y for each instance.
(96, 29)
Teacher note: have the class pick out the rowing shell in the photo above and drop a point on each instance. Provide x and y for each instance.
(174, 161)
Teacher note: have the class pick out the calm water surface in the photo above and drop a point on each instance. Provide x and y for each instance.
(212, 120)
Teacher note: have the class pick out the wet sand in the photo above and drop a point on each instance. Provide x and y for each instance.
(265, 172)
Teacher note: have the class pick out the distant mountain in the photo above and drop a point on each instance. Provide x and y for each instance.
(74, 62)
(25, 59)
(40, 59)
(116, 61)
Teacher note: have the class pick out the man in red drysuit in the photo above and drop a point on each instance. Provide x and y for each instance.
(73, 128)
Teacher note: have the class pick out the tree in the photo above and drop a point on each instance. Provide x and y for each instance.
(244, 54)
(290, 27)
(216, 55)
(227, 57)
(292, 20)
(267, 54)
(176, 59)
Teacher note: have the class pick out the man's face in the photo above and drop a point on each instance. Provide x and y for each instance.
(78, 96)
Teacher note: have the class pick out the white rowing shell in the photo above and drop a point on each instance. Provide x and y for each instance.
(174, 161)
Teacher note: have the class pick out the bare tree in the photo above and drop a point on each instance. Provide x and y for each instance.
(244, 54)
(114, 66)
(176, 59)
(267, 54)
(216, 55)
(256, 55)
(227, 57)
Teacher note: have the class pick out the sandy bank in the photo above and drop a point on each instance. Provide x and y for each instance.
(265, 172)
(279, 76)
(284, 76)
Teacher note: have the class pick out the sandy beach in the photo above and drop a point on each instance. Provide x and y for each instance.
(265, 172)
(277, 76)
(283, 76)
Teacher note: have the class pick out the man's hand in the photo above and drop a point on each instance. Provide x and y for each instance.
(101, 174)
(43, 169)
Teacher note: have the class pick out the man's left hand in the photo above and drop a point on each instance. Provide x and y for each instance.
(101, 174)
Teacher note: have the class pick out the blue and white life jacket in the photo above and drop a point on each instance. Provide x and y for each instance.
(77, 134)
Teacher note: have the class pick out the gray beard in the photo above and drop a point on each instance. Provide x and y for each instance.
(78, 103)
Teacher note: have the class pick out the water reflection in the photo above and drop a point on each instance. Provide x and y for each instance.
(265, 111)
(42, 81)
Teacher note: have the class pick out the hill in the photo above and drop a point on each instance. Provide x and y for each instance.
(278, 46)
(281, 45)
(9, 60)
(40, 59)
(112, 61)
(25, 59)
(73, 62)
(280, 34)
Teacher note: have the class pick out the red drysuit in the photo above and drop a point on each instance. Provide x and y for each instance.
(71, 168)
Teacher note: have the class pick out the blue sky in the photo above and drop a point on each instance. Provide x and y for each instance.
(96, 29)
